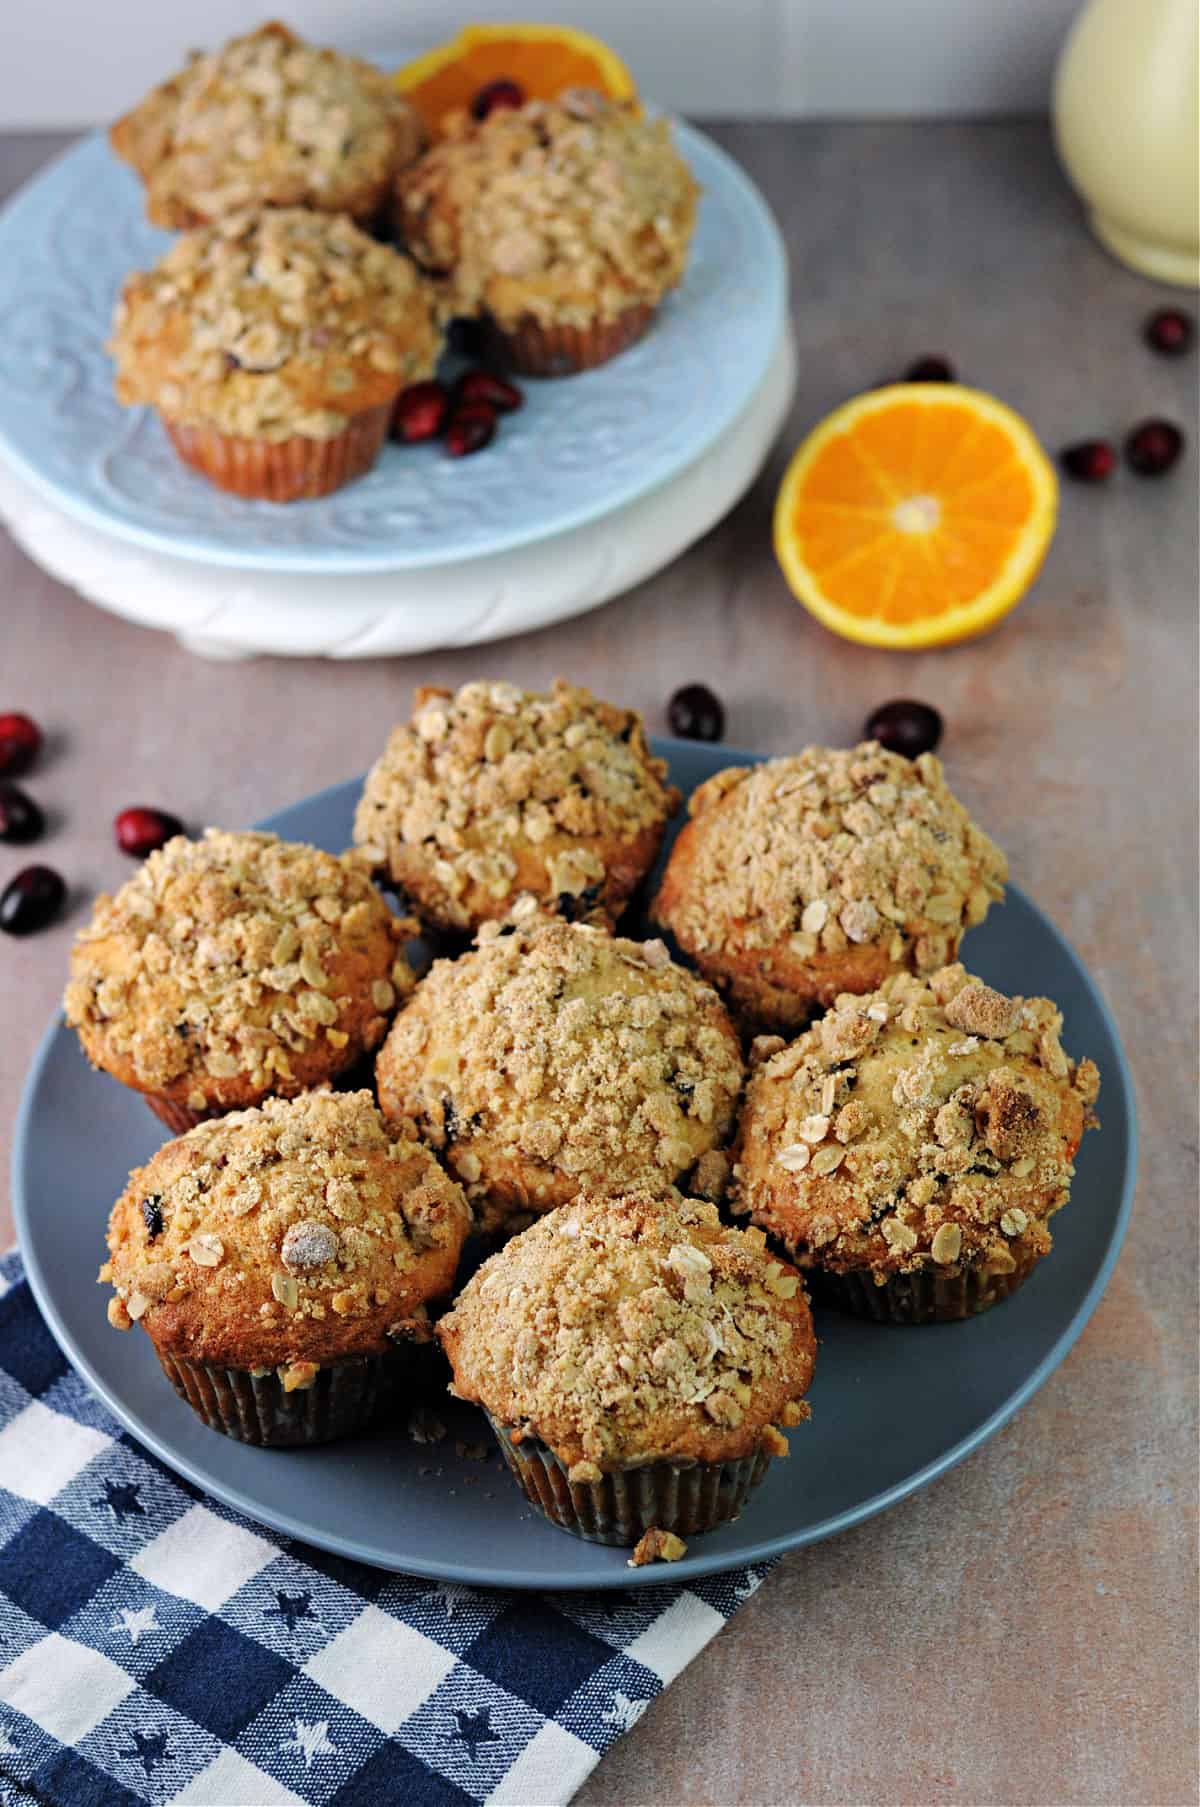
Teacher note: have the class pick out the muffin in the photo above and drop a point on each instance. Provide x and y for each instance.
(268, 121)
(910, 1149)
(635, 1358)
(233, 967)
(805, 877)
(494, 793)
(283, 1263)
(554, 1060)
(561, 223)
(273, 346)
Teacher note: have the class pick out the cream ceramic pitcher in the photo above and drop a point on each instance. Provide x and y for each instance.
(1127, 124)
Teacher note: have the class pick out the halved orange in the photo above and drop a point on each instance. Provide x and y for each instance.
(915, 515)
(542, 59)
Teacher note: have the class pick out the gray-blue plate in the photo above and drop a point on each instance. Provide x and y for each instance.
(892, 1408)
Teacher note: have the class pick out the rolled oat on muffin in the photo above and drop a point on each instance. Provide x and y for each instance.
(635, 1358)
(269, 121)
(910, 1149)
(273, 346)
(562, 223)
(808, 876)
(492, 793)
(234, 967)
(283, 1262)
(556, 1059)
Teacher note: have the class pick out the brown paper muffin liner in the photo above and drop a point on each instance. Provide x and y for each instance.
(930, 1296)
(620, 1507)
(178, 1117)
(290, 470)
(344, 1398)
(535, 350)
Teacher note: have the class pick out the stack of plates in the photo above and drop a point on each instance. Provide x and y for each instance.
(597, 482)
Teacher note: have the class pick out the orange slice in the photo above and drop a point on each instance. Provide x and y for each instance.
(542, 59)
(915, 515)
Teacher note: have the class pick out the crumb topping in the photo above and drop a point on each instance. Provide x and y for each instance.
(556, 1058)
(492, 791)
(272, 325)
(233, 957)
(624, 1330)
(566, 210)
(656, 1546)
(928, 1122)
(268, 121)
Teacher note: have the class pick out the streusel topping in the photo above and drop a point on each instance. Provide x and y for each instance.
(929, 1121)
(624, 1330)
(567, 210)
(273, 324)
(228, 956)
(268, 121)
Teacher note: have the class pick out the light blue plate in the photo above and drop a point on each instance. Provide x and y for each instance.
(892, 1408)
(578, 449)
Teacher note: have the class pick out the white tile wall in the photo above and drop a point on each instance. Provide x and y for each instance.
(67, 62)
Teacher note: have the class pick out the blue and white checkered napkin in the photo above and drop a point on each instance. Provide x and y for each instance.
(155, 1646)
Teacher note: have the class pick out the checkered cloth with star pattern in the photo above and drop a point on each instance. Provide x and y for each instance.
(155, 1646)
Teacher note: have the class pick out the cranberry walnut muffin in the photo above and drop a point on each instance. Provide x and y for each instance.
(554, 1060)
(273, 346)
(283, 1262)
(563, 223)
(911, 1147)
(268, 121)
(635, 1358)
(492, 793)
(234, 967)
(808, 876)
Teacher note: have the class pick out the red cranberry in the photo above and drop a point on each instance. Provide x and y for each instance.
(30, 900)
(1152, 448)
(471, 428)
(1089, 461)
(141, 829)
(21, 820)
(492, 390)
(20, 744)
(930, 370)
(904, 726)
(694, 713)
(420, 412)
(1169, 331)
(494, 96)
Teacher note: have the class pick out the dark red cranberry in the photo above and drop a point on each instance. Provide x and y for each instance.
(30, 900)
(930, 370)
(1152, 448)
(494, 96)
(1169, 331)
(470, 429)
(20, 744)
(140, 829)
(492, 390)
(1089, 461)
(904, 726)
(420, 412)
(694, 713)
(21, 821)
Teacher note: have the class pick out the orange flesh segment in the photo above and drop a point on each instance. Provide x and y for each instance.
(541, 60)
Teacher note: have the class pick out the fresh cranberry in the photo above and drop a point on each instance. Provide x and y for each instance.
(493, 97)
(470, 429)
(1169, 331)
(21, 820)
(904, 726)
(930, 370)
(493, 391)
(420, 412)
(1089, 461)
(1152, 448)
(31, 899)
(694, 713)
(140, 829)
(20, 744)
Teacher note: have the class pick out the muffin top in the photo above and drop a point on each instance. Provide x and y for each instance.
(623, 1330)
(494, 791)
(558, 1058)
(268, 121)
(931, 1121)
(237, 960)
(285, 1237)
(272, 325)
(566, 210)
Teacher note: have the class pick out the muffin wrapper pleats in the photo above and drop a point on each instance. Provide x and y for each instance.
(620, 1507)
(929, 1296)
(177, 1117)
(344, 1398)
(535, 350)
(289, 470)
